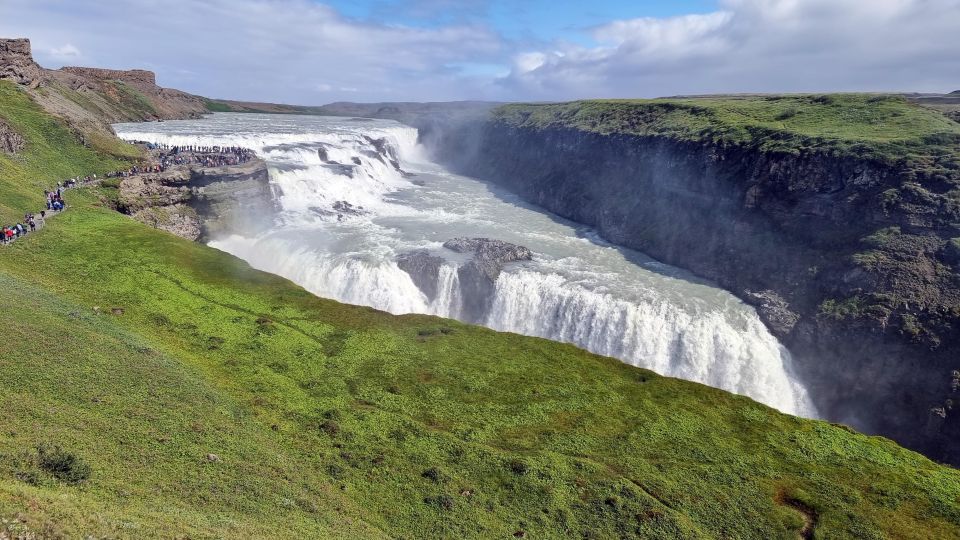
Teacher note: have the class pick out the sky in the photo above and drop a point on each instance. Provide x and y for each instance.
(312, 52)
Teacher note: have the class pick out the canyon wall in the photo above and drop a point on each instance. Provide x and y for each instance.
(849, 259)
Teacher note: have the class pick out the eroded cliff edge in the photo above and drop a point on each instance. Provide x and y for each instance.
(837, 216)
(198, 202)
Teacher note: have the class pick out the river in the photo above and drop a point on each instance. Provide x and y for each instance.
(354, 194)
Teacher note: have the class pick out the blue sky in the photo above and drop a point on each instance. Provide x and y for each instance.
(319, 51)
(542, 20)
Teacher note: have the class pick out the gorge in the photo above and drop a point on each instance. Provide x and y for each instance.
(366, 219)
(844, 241)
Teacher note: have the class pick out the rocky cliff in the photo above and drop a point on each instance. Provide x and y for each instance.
(89, 99)
(196, 202)
(16, 62)
(846, 245)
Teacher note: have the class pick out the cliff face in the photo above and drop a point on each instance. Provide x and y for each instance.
(197, 203)
(848, 259)
(140, 78)
(16, 62)
(90, 99)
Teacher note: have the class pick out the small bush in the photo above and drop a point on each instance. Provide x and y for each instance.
(62, 465)
(434, 474)
(518, 467)
(788, 113)
(330, 427)
(440, 501)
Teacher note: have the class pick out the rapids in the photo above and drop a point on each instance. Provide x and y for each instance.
(354, 194)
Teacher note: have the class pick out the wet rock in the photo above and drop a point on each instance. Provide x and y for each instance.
(478, 277)
(345, 208)
(322, 154)
(424, 269)
(340, 168)
(774, 310)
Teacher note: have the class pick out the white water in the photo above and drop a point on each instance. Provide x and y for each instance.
(578, 289)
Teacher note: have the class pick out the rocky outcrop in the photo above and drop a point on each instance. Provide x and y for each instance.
(90, 99)
(846, 258)
(424, 270)
(11, 142)
(479, 275)
(139, 78)
(16, 62)
(773, 309)
(199, 203)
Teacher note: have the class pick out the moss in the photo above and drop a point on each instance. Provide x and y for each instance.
(840, 309)
(885, 128)
(882, 237)
(323, 418)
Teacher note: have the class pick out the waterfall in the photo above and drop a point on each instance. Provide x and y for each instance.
(705, 347)
(357, 194)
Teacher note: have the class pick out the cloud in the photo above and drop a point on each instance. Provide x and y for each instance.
(295, 51)
(757, 46)
(65, 52)
(302, 51)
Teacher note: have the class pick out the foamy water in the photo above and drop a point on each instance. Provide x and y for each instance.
(348, 211)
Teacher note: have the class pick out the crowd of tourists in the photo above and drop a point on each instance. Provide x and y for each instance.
(206, 156)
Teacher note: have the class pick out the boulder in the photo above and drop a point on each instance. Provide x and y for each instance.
(424, 269)
(478, 277)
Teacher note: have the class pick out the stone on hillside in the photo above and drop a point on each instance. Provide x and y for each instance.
(11, 142)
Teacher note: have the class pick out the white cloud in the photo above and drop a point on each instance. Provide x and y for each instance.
(300, 51)
(280, 50)
(65, 52)
(759, 46)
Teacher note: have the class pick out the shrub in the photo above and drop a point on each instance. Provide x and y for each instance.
(788, 113)
(433, 474)
(330, 427)
(62, 465)
(440, 501)
(518, 467)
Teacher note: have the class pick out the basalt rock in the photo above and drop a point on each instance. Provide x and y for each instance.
(139, 78)
(199, 203)
(16, 62)
(424, 270)
(479, 275)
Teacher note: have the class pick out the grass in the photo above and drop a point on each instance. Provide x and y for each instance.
(210, 400)
(884, 127)
(52, 154)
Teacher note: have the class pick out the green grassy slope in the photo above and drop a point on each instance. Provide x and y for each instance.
(334, 420)
(861, 124)
(52, 154)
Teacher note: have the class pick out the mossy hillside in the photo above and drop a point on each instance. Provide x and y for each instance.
(424, 427)
(862, 125)
(144, 423)
(52, 154)
(140, 354)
